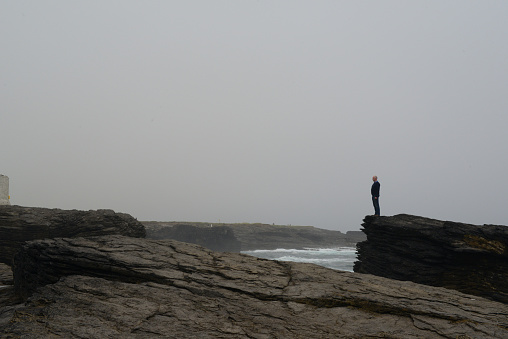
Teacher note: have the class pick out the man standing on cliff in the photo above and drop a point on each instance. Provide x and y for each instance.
(374, 191)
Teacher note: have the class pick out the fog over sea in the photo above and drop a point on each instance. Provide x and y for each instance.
(341, 258)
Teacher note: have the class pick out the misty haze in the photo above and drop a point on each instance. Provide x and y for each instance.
(257, 111)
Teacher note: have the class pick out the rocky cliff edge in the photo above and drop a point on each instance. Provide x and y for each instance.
(469, 258)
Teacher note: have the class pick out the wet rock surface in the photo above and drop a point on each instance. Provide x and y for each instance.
(19, 224)
(122, 287)
(469, 258)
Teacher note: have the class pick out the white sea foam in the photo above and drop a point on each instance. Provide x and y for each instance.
(341, 258)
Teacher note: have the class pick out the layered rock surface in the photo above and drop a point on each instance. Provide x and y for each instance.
(19, 224)
(468, 258)
(250, 236)
(121, 287)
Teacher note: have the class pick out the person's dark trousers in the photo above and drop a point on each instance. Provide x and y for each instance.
(375, 202)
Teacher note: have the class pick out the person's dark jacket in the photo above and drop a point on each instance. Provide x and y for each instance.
(375, 189)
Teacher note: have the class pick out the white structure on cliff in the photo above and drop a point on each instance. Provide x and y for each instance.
(4, 190)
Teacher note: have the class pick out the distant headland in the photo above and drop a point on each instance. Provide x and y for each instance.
(236, 237)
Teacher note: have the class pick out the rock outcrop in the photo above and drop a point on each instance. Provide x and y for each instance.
(19, 224)
(121, 287)
(251, 236)
(468, 258)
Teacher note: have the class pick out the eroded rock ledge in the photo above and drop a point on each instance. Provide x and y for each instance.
(468, 258)
(117, 286)
(19, 224)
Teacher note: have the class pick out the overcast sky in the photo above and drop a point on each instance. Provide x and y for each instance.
(257, 111)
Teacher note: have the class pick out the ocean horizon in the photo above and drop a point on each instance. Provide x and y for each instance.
(340, 258)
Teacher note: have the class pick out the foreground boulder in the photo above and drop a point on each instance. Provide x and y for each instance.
(121, 287)
(468, 258)
(19, 224)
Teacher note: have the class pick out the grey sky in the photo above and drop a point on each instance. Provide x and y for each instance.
(257, 111)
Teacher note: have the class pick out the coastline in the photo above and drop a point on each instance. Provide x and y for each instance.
(338, 258)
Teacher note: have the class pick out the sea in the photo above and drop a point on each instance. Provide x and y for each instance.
(341, 258)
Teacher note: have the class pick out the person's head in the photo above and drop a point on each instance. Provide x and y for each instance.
(374, 178)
